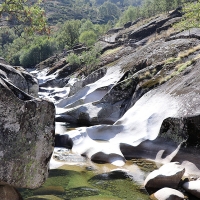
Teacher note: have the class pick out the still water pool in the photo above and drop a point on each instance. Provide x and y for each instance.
(73, 177)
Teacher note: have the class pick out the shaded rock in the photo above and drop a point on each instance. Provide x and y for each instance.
(91, 78)
(193, 187)
(27, 136)
(176, 13)
(48, 62)
(168, 24)
(167, 194)
(55, 82)
(20, 78)
(8, 192)
(66, 70)
(56, 66)
(128, 24)
(63, 141)
(147, 29)
(169, 175)
(80, 50)
(114, 30)
(32, 83)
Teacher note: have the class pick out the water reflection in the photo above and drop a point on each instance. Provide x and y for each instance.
(75, 177)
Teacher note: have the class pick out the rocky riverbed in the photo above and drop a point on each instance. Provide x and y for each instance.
(140, 103)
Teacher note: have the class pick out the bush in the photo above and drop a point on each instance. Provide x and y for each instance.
(88, 38)
(73, 59)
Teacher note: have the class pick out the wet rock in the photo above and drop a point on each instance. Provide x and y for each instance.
(167, 194)
(193, 187)
(169, 175)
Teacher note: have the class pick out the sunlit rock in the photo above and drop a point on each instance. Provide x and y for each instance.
(167, 194)
(193, 187)
(169, 175)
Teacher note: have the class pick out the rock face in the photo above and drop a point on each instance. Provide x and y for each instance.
(169, 175)
(27, 132)
(193, 187)
(20, 78)
(167, 194)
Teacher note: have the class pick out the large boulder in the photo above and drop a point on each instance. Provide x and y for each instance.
(193, 187)
(167, 194)
(20, 78)
(169, 175)
(27, 134)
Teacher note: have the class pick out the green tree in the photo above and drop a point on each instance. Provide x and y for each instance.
(88, 38)
(39, 50)
(68, 35)
(109, 11)
(129, 15)
(90, 59)
(73, 59)
(191, 17)
(24, 12)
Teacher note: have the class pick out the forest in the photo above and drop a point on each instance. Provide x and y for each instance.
(65, 23)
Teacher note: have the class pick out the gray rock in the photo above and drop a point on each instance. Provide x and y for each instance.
(169, 175)
(167, 194)
(191, 33)
(20, 78)
(27, 136)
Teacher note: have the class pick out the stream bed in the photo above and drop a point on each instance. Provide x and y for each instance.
(74, 177)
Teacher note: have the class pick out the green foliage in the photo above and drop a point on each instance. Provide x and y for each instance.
(109, 11)
(88, 38)
(73, 59)
(24, 12)
(68, 34)
(90, 59)
(40, 50)
(130, 14)
(191, 17)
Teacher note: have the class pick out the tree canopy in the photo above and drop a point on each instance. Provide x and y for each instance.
(191, 17)
(24, 12)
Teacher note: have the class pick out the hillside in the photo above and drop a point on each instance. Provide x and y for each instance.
(62, 10)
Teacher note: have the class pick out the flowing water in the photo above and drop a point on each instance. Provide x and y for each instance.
(74, 177)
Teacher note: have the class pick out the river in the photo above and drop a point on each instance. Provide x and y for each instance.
(73, 176)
